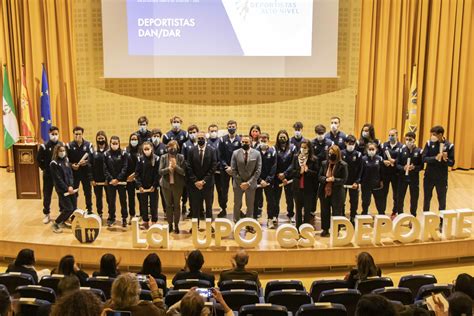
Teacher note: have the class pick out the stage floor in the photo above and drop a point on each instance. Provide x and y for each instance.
(22, 227)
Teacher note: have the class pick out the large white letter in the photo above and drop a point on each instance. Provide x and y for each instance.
(307, 239)
(345, 239)
(463, 225)
(412, 234)
(137, 242)
(287, 236)
(248, 243)
(429, 224)
(223, 229)
(202, 243)
(363, 230)
(382, 225)
(449, 218)
(162, 231)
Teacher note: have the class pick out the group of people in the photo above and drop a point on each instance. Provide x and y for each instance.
(183, 165)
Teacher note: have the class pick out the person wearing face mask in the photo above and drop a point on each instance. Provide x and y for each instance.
(62, 174)
(335, 135)
(285, 153)
(159, 149)
(298, 138)
(176, 133)
(246, 165)
(116, 161)
(367, 135)
(97, 169)
(133, 154)
(305, 173)
(409, 174)
(389, 153)
(146, 178)
(353, 159)
(371, 179)
(214, 142)
(227, 145)
(320, 143)
(201, 165)
(266, 179)
(143, 133)
(332, 177)
(437, 161)
(45, 153)
(172, 170)
(76, 152)
(254, 134)
(188, 146)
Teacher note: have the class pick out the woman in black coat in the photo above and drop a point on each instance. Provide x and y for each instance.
(305, 174)
(332, 176)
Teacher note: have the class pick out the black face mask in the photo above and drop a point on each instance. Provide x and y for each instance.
(173, 151)
(201, 141)
(332, 157)
(245, 146)
(101, 142)
(282, 140)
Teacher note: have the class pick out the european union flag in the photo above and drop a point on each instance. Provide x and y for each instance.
(46, 121)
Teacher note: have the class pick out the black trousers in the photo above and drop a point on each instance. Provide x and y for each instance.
(314, 197)
(441, 186)
(277, 190)
(367, 192)
(48, 186)
(131, 198)
(184, 199)
(353, 201)
(390, 179)
(98, 192)
(225, 180)
(220, 195)
(198, 197)
(148, 204)
(112, 198)
(414, 194)
(83, 178)
(66, 207)
(332, 205)
(268, 190)
(304, 204)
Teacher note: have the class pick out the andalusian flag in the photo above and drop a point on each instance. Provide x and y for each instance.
(10, 124)
(27, 128)
(411, 123)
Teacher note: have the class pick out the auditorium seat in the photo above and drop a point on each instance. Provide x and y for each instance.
(101, 282)
(400, 294)
(322, 309)
(436, 288)
(282, 285)
(215, 308)
(238, 284)
(30, 306)
(37, 291)
(100, 294)
(290, 298)
(236, 298)
(371, 283)
(51, 281)
(347, 297)
(189, 283)
(319, 286)
(263, 309)
(174, 296)
(415, 281)
(160, 282)
(13, 280)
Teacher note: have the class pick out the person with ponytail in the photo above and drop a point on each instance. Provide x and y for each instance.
(97, 170)
(133, 154)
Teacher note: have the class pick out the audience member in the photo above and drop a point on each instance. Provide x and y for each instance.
(68, 266)
(192, 270)
(77, 303)
(108, 266)
(365, 268)
(152, 266)
(238, 272)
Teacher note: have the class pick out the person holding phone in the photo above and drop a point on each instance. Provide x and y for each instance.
(192, 304)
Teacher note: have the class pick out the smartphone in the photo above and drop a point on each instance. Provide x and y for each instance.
(142, 278)
(206, 293)
(118, 313)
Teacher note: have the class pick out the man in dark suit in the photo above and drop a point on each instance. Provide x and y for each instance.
(239, 261)
(201, 164)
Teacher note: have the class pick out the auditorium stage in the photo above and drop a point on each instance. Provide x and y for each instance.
(21, 227)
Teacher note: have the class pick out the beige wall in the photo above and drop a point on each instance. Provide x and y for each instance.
(115, 104)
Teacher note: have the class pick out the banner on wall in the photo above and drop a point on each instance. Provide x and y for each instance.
(411, 123)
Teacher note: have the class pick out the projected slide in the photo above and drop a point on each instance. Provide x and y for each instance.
(220, 27)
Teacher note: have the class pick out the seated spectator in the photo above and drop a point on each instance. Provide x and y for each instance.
(240, 260)
(68, 266)
(374, 305)
(80, 303)
(192, 270)
(152, 266)
(126, 297)
(66, 286)
(465, 283)
(192, 304)
(25, 263)
(108, 267)
(365, 268)
(5, 302)
(460, 304)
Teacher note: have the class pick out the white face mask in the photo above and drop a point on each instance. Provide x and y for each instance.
(213, 135)
(192, 136)
(264, 146)
(434, 138)
(61, 154)
(176, 125)
(365, 134)
(320, 137)
(410, 144)
(156, 140)
(334, 127)
(350, 148)
(298, 134)
(114, 146)
(371, 153)
(134, 143)
(53, 138)
(142, 128)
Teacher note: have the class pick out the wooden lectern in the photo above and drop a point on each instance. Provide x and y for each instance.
(26, 171)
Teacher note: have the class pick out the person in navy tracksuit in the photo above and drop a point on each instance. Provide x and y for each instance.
(214, 142)
(159, 149)
(143, 133)
(45, 152)
(227, 145)
(116, 161)
(185, 149)
(335, 135)
(353, 159)
(298, 137)
(254, 134)
(321, 146)
(367, 135)
(409, 174)
(133, 155)
(61, 172)
(285, 153)
(437, 163)
(97, 169)
(389, 153)
(371, 179)
(176, 133)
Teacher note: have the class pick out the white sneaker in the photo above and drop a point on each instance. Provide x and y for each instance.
(46, 219)
(55, 228)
